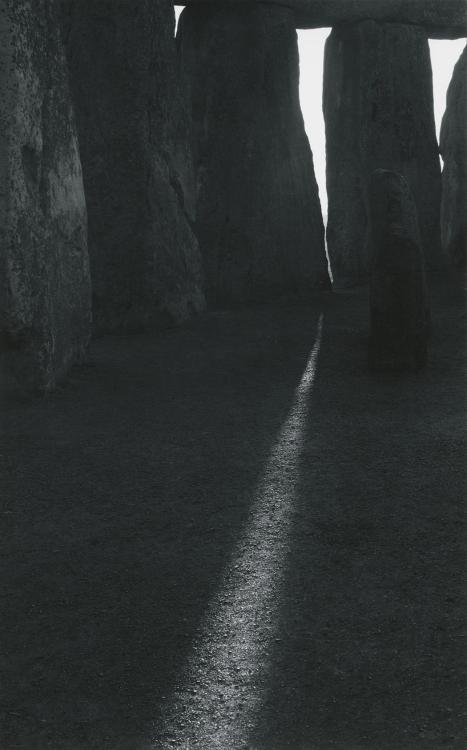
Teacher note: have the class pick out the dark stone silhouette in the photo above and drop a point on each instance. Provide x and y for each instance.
(378, 108)
(132, 123)
(45, 309)
(453, 147)
(259, 220)
(398, 298)
(443, 19)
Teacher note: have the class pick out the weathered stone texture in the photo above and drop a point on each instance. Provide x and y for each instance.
(398, 298)
(45, 307)
(453, 146)
(443, 19)
(378, 108)
(138, 177)
(259, 220)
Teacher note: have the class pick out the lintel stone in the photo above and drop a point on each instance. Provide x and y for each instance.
(442, 19)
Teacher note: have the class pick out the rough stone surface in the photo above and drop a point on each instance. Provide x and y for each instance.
(45, 308)
(453, 147)
(138, 177)
(259, 220)
(378, 109)
(398, 300)
(443, 19)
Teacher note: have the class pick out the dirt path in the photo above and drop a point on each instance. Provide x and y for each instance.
(232, 536)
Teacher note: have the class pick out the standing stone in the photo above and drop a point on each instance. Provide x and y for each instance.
(378, 109)
(259, 220)
(45, 293)
(138, 176)
(398, 300)
(453, 146)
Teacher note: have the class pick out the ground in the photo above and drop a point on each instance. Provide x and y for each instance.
(233, 536)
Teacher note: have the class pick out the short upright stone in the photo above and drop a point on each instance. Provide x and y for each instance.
(138, 177)
(378, 109)
(259, 220)
(45, 291)
(399, 310)
(453, 147)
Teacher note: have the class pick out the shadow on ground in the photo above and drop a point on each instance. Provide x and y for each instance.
(124, 494)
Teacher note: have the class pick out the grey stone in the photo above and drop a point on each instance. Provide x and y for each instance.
(259, 220)
(45, 307)
(399, 310)
(453, 147)
(378, 109)
(138, 175)
(443, 19)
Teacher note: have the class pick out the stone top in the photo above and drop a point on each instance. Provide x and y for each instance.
(442, 19)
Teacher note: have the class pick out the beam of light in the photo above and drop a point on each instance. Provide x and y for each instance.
(218, 697)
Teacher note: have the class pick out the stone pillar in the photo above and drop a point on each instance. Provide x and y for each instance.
(378, 109)
(398, 299)
(45, 293)
(259, 220)
(453, 146)
(138, 178)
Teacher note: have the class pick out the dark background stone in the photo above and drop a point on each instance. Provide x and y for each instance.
(378, 109)
(145, 262)
(398, 298)
(453, 147)
(259, 220)
(45, 310)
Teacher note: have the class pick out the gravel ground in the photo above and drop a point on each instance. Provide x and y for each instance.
(233, 536)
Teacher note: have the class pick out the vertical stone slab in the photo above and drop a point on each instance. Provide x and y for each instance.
(453, 147)
(259, 220)
(45, 295)
(378, 109)
(138, 177)
(398, 299)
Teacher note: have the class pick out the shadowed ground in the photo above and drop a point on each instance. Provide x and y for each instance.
(186, 491)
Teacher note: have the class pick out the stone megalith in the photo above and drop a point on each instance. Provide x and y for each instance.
(45, 291)
(259, 220)
(399, 313)
(453, 147)
(378, 110)
(138, 175)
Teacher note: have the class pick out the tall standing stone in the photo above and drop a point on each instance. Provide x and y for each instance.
(259, 220)
(45, 294)
(453, 147)
(378, 109)
(138, 177)
(398, 298)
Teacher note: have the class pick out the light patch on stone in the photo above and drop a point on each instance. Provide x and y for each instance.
(66, 187)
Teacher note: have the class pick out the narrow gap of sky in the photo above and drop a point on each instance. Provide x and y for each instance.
(444, 55)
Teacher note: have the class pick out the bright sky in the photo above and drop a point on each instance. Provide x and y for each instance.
(444, 55)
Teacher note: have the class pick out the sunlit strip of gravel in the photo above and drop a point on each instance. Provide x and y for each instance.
(220, 693)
